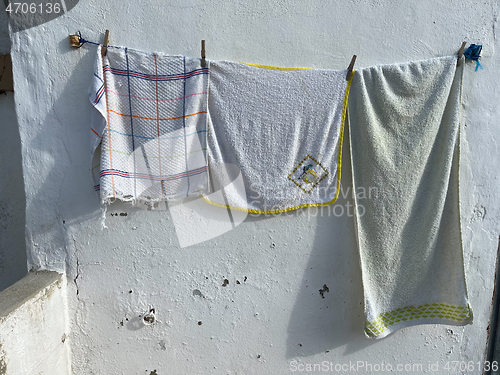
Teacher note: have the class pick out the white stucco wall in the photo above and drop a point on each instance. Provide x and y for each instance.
(271, 313)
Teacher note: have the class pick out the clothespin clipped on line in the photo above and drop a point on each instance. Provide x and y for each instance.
(461, 53)
(350, 68)
(105, 44)
(203, 61)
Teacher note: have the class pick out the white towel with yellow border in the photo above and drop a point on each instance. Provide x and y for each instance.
(283, 129)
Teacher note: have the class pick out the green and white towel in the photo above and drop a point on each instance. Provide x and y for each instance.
(404, 123)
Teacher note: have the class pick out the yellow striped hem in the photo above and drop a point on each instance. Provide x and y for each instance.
(275, 67)
(458, 314)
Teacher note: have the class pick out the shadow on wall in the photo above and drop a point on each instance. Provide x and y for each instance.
(24, 15)
(69, 184)
(329, 310)
(12, 198)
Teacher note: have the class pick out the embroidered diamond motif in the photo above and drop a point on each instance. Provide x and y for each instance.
(308, 174)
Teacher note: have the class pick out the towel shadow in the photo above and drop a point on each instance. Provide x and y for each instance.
(329, 312)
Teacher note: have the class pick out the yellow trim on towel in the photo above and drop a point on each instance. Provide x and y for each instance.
(274, 67)
(339, 163)
(458, 314)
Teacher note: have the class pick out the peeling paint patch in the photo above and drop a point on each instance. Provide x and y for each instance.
(198, 293)
(162, 344)
(478, 214)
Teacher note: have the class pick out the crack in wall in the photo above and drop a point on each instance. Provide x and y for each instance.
(77, 268)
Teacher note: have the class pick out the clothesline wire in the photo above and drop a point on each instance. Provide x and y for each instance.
(83, 41)
(472, 53)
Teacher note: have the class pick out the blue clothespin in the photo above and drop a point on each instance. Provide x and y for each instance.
(474, 53)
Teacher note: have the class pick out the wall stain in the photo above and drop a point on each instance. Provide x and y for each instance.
(324, 290)
(226, 282)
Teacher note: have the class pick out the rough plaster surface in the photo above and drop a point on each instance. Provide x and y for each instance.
(247, 302)
(34, 327)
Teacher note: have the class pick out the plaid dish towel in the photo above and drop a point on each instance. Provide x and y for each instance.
(148, 131)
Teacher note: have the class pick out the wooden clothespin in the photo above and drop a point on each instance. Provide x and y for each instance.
(203, 61)
(74, 41)
(105, 44)
(461, 53)
(350, 68)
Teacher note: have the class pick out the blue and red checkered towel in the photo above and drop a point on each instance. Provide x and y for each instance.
(150, 122)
